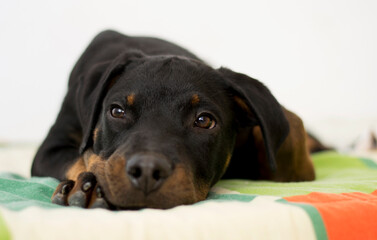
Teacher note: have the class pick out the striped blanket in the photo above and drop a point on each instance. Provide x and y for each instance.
(340, 204)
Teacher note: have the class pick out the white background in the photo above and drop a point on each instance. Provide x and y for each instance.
(319, 58)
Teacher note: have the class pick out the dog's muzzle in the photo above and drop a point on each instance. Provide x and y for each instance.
(148, 171)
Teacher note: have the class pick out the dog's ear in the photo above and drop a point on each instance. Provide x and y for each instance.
(259, 107)
(92, 89)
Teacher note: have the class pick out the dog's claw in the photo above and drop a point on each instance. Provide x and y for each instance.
(84, 193)
(67, 187)
(61, 192)
(86, 186)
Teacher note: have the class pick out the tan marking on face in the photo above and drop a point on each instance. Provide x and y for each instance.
(92, 161)
(179, 188)
(95, 134)
(195, 99)
(201, 190)
(75, 170)
(131, 99)
(116, 180)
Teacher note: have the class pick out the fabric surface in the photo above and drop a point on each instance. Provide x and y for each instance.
(335, 173)
(345, 215)
(340, 204)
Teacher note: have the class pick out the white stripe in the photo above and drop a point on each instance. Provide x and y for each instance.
(261, 219)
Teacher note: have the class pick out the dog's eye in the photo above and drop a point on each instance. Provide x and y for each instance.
(206, 121)
(117, 112)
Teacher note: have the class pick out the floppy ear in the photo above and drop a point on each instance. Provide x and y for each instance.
(92, 89)
(263, 106)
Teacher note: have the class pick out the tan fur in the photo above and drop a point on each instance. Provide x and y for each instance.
(89, 162)
(130, 99)
(293, 157)
(195, 99)
(92, 161)
(95, 134)
(111, 176)
(75, 170)
(180, 187)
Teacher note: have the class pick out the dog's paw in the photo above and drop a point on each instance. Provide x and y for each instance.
(84, 193)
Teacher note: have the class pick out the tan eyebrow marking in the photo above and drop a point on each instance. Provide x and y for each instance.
(195, 99)
(131, 99)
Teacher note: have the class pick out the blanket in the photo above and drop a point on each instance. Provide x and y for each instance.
(340, 204)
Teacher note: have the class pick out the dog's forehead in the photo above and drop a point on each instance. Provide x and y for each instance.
(168, 77)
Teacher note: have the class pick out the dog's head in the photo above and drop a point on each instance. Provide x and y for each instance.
(159, 131)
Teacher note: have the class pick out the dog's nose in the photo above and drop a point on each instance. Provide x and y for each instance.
(147, 172)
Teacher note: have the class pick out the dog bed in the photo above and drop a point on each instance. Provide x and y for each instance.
(340, 204)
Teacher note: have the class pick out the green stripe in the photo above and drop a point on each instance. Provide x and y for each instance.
(227, 197)
(4, 232)
(214, 197)
(335, 173)
(369, 163)
(315, 217)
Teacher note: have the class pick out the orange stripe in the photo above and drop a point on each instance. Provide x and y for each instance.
(345, 215)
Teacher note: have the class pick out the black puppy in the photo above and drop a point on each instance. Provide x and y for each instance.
(145, 123)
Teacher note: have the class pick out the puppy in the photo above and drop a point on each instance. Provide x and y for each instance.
(146, 123)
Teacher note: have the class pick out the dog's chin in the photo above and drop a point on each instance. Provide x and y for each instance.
(123, 196)
(141, 206)
(133, 199)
